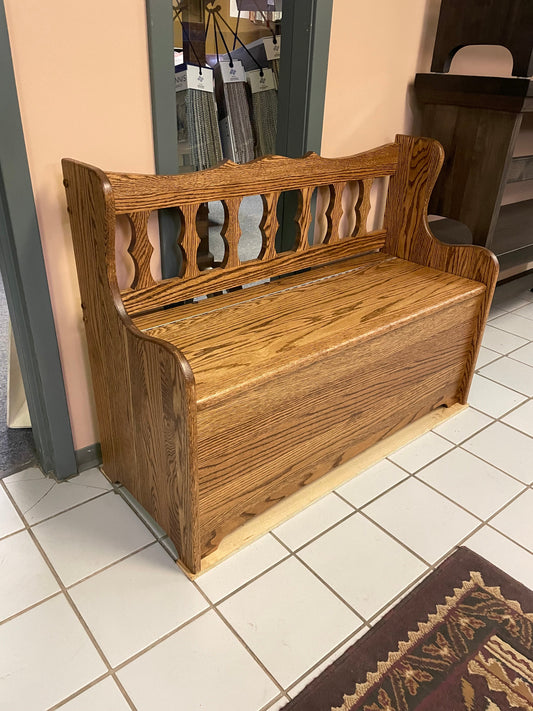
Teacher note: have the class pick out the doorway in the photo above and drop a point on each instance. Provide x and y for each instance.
(26, 287)
(305, 29)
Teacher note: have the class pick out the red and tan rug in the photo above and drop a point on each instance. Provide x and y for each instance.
(462, 640)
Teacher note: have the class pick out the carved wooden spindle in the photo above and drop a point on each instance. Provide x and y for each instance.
(269, 226)
(140, 249)
(231, 232)
(362, 208)
(303, 219)
(334, 212)
(189, 240)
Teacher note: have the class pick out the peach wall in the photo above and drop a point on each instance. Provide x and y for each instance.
(84, 91)
(375, 51)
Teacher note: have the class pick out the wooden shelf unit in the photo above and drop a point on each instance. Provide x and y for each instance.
(477, 120)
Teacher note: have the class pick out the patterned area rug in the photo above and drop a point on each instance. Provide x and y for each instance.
(461, 641)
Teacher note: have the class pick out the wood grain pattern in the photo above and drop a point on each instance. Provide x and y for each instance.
(362, 208)
(478, 144)
(144, 389)
(349, 307)
(334, 213)
(303, 219)
(491, 22)
(231, 232)
(269, 226)
(170, 291)
(270, 174)
(262, 443)
(288, 507)
(198, 308)
(409, 235)
(222, 407)
(140, 250)
(189, 240)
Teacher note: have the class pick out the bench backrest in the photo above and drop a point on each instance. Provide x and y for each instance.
(108, 195)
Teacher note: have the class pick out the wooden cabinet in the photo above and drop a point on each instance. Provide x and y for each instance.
(477, 120)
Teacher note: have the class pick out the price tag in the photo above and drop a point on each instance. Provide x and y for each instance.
(189, 77)
(261, 83)
(232, 74)
(272, 49)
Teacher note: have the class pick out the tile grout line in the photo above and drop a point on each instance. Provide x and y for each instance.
(463, 507)
(292, 554)
(512, 540)
(494, 466)
(327, 656)
(81, 691)
(250, 652)
(59, 513)
(64, 590)
(29, 608)
(374, 498)
(270, 704)
(133, 658)
(68, 598)
(210, 607)
(505, 385)
(245, 584)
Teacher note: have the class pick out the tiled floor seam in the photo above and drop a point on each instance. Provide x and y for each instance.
(75, 610)
(250, 652)
(325, 658)
(332, 589)
(494, 466)
(110, 565)
(84, 624)
(270, 704)
(68, 508)
(462, 506)
(498, 382)
(311, 570)
(121, 665)
(512, 540)
(394, 538)
(322, 533)
(81, 690)
(245, 584)
(30, 607)
(374, 498)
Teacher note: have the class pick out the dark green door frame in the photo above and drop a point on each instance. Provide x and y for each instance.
(26, 286)
(306, 26)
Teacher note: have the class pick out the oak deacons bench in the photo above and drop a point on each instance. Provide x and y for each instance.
(211, 410)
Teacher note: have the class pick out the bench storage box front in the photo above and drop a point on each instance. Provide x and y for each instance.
(212, 410)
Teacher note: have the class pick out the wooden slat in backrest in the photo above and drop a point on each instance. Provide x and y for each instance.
(138, 195)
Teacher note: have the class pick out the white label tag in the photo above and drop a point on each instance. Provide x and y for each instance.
(189, 77)
(260, 83)
(232, 74)
(272, 49)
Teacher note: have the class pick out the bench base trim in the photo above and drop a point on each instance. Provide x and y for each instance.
(289, 507)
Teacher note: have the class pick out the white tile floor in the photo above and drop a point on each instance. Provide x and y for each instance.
(94, 614)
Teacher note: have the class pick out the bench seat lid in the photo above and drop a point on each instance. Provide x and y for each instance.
(234, 340)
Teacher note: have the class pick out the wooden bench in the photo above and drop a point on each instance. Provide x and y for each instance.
(212, 410)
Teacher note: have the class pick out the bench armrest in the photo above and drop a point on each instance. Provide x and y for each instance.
(406, 217)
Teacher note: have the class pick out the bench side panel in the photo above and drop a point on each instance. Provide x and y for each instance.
(408, 234)
(144, 389)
